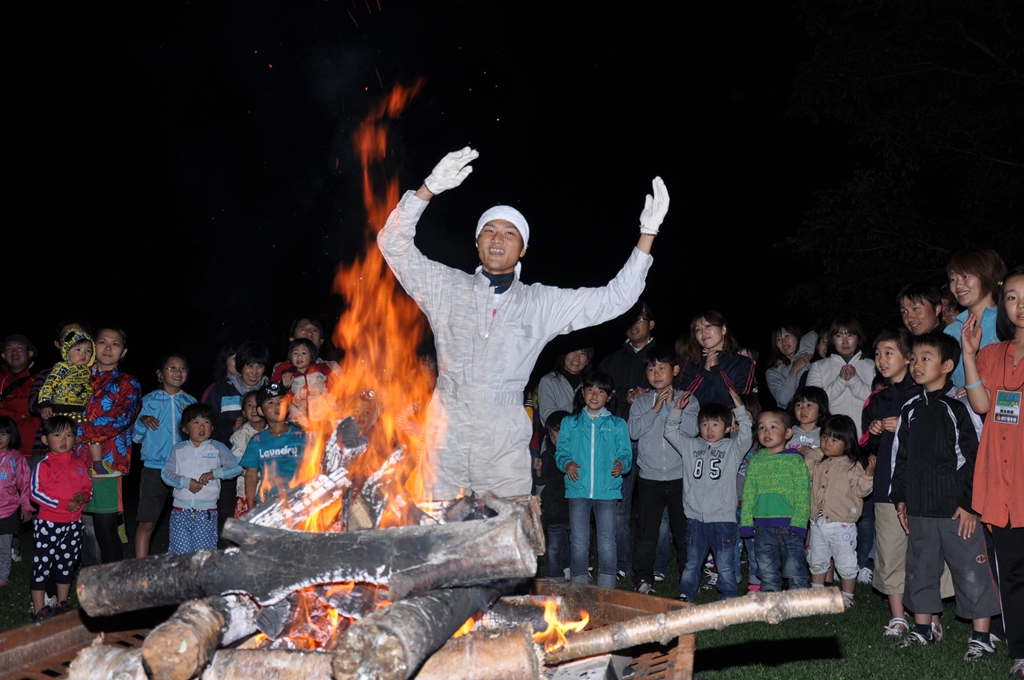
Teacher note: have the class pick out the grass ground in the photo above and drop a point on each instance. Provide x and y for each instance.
(837, 647)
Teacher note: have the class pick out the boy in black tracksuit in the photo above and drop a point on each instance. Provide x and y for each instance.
(932, 478)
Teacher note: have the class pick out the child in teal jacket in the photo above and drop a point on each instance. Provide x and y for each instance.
(594, 452)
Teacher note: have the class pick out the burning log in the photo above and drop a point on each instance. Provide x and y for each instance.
(382, 493)
(510, 612)
(299, 505)
(105, 661)
(486, 655)
(252, 664)
(663, 628)
(392, 643)
(181, 646)
(268, 564)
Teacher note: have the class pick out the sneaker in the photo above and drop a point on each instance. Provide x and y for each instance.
(712, 577)
(63, 608)
(15, 555)
(913, 639)
(41, 615)
(620, 574)
(683, 598)
(568, 574)
(848, 601)
(865, 575)
(898, 626)
(993, 639)
(49, 601)
(937, 632)
(1018, 668)
(756, 588)
(644, 588)
(658, 577)
(976, 649)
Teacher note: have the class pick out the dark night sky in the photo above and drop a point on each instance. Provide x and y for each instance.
(212, 157)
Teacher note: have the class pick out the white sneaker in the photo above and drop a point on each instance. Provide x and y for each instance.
(15, 555)
(658, 577)
(897, 627)
(1018, 668)
(976, 649)
(865, 575)
(568, 574)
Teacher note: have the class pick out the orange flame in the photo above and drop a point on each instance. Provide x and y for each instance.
(553, 638)
(380, 381)
(465, 628)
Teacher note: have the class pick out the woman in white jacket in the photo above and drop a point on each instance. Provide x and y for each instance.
(845, 374)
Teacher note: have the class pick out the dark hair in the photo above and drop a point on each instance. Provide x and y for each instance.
(554, 421)
(58, 424)
(193, 411)
(787, 420)
(815, 394)
(313, 321)
(269, 391)
(59, 337)
(842, 428)
(10, 428)
(167, 358)
(314, 353)
(848, 324)
(949, 349)
(116, 329)
(220, 369)
(901, 336)
(776, 357)
(602, 381)
(715, 412)
(983, 263)
(752, 404)
(693, 351)
(253, 394)
(822, 337)
(589, 351)
(661, 355)
(251, 352)
(920, 293)
(1004, 327)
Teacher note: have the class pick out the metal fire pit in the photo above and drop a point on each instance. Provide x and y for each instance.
(43, 651)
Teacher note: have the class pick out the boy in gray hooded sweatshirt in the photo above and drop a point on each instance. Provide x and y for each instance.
(710, 465)
(660, 469)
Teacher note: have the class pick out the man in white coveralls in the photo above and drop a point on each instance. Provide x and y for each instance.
(490, 328)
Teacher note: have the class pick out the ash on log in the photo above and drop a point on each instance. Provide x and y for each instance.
(257, 664)
(663, 628)
(268, 564)
(106, 661)
(180, 647)
(392, 643)
(486, 655)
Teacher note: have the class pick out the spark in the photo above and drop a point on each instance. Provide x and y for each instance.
(378, 78)
(353, 19)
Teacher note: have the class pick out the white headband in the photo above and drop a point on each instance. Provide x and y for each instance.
(505, 212)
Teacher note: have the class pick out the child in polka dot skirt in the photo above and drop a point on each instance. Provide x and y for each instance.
(61, 487)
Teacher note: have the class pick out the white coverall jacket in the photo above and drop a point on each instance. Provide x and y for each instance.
(479, 434)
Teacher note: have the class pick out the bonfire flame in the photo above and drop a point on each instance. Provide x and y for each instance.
(553, 638)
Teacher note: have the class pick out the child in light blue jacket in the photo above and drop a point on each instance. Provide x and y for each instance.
(594, 452)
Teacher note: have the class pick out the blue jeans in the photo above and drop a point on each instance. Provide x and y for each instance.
(624, 520)
(780, 555)
(720, 537)
(579, 540)
(558, 550)
(663, 551)
(747, 543)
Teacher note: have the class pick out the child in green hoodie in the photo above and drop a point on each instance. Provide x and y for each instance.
(776, 504)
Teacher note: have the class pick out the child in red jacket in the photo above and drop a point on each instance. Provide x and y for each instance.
(61, 487)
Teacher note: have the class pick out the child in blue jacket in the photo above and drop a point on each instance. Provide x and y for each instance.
(594, 452)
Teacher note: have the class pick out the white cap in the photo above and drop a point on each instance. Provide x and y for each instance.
(505, 212)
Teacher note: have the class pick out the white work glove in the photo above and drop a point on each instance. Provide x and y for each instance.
(451, 171)
(655, 208)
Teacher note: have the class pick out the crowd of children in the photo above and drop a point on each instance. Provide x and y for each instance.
(896, 462)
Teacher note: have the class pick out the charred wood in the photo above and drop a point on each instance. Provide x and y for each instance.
(392, 643)
(268, 564)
